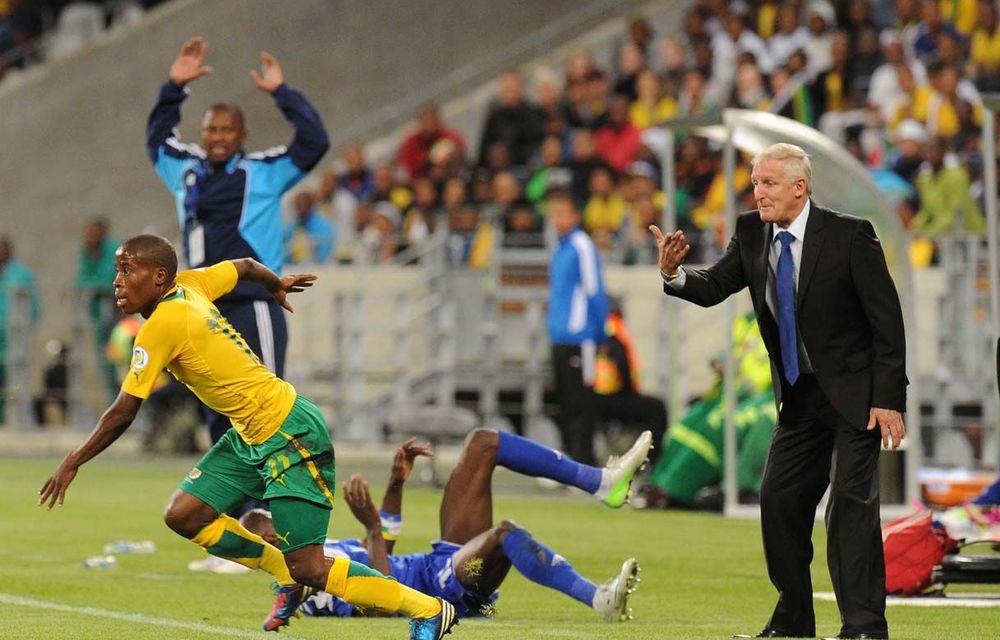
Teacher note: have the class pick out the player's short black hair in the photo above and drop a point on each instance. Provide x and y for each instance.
(155, 250)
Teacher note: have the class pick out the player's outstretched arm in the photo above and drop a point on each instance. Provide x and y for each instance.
(359, 498)
(190, 62)
(402, 466)
(280, 286)
(109, 428)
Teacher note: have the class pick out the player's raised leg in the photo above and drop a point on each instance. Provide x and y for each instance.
(467, 507)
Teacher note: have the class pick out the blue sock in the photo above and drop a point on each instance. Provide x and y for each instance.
(538, 563)
(532, 459)
(991, 495)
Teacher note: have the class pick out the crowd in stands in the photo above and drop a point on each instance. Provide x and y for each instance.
(35, 30)
(897, 82)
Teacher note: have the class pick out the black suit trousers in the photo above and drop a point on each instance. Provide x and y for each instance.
(813, 446)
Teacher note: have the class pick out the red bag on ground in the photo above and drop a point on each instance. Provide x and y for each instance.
(913, 545)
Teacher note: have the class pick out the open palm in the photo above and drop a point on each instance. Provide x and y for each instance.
(190, 62)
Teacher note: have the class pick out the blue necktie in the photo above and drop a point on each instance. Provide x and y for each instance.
(785, 293)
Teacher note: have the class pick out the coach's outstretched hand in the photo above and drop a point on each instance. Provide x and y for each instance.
(54, 489)
(190, 62)
(294, 283)
(272, 76)
(672, 250)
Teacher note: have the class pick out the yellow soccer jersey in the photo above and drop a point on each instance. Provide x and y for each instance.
(188, 336)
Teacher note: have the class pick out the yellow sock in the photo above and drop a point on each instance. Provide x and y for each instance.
(368, 589)
(416, 604)
(227, 538)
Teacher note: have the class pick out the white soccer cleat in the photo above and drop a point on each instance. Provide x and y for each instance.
(619, 471)
(611, 599)
(215, 564)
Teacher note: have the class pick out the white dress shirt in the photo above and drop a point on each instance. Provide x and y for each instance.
(798, 229)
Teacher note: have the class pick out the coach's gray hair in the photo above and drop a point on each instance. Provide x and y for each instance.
(794, 158)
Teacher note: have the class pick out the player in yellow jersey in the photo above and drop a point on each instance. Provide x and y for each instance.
(279, 448)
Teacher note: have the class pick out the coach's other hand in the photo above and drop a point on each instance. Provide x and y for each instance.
(190, 62)
(271, 77)
(890, 423)
(672, 250)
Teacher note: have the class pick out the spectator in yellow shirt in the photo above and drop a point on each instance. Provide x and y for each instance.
(651, 107)
(984, 55)
(605, 211)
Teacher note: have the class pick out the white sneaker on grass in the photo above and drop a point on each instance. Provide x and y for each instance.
(611, 598)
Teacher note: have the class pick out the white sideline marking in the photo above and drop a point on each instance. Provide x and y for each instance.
(8, 598)
(975, 600)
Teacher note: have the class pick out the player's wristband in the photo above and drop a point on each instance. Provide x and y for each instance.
(392, 525)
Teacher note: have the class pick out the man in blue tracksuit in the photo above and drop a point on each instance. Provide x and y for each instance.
(229, 201)
(578, 308)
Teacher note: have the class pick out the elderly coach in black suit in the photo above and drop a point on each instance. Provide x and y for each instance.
(830, 316)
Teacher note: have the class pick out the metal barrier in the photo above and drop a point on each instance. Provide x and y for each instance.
(964, 378)
(19, 374)
(418, 359)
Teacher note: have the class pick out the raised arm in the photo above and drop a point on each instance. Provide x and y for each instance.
(358, 498)
(311, 140)
(402, 466)
(392, 501)
(165, 150)
(279, 286)
(109, 428)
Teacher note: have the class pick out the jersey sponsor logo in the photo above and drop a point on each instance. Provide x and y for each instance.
(194, 474)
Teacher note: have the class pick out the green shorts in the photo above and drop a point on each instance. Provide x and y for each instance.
(295, 467)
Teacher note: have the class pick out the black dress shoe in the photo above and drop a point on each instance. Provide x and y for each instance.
(771, 633)
(859, 636)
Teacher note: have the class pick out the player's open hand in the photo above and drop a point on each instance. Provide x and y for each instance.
(190, 62)
(295, 283)
(358, 497)
(672, 249)
(54, 489)
(271, 77)
(890, 423)
(402, 464)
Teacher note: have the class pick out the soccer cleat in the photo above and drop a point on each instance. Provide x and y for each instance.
(434, 628)
(611, 598)
(286, 605)
(621, 470)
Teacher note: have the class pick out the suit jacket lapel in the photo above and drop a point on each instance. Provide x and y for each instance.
(765, 319)
(760, 266)
(811, 245)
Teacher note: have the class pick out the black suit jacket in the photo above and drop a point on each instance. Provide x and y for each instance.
(848, 311)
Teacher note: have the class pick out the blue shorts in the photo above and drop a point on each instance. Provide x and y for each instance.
(437, 578)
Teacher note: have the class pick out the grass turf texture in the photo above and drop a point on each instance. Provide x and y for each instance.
(703, 576)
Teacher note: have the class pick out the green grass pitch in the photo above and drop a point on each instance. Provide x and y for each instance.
(703, 576)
